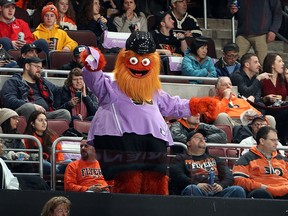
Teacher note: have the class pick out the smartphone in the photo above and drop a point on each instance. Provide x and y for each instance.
(78, 94)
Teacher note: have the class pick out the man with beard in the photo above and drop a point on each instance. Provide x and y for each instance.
(85, 174)
(196, 173)
(28, 92)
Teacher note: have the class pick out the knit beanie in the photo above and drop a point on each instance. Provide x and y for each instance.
(5, 114)
(50, 7)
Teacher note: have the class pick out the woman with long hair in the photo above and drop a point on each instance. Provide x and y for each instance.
(37, 126)
(129, 18)
(66, 14)
(91, 18)
(274, 90)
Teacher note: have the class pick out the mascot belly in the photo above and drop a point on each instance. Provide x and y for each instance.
(128, 130)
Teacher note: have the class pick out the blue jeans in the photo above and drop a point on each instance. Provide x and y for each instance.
(60, 168)
(232, 191)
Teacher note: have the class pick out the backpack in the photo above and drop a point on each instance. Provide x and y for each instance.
(241, 132)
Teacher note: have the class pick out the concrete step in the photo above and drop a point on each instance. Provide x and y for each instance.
(216, 23)
(221, 32)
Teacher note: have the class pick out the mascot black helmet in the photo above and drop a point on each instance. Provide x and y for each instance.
(141, 43)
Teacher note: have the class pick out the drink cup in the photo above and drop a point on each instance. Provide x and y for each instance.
(54, 42)
(21, 36)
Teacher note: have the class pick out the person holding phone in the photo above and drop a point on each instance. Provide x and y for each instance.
(78, 99)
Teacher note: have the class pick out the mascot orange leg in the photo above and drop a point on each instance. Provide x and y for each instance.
(154, 183)
(128, 182)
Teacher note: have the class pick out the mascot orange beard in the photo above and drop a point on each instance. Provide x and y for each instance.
(136, 73)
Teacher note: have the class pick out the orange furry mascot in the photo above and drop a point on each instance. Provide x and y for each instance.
(128, 131)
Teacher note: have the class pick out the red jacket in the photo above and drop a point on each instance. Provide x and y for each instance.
(12, 29)
(253, 169)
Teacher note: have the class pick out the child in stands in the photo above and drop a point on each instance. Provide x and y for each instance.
(57, 38)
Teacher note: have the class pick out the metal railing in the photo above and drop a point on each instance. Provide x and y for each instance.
(47, 72)
(53, 155)
(39, 150)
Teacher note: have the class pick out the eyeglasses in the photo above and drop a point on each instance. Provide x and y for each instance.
(201, 139)
(273, 140)
(37, 66)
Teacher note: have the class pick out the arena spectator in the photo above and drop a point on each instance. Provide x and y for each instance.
(274, 90)
(130, 19)
(258, 23)
(231, 109)
(77, 98)
(57, 38)
(184, 126)
(28, 92)
(168, 42)
(184, 21)
(11, 27)
(196, 62)
(57, 205)
(27, 51)
(247, 79)
(6, 60)
(262, 172)
(190, 173)
(90, 18)
(255, 125)
(85, 174)
(8, 123)
(228, 63)
(76, 62)
(66, 18)
(37, 126)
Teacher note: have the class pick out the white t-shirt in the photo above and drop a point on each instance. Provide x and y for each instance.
(250, 141)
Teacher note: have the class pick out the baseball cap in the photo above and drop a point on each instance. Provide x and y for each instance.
(32, 60)
(160, 16)
(6, 2)
(77, 51)
(27, 47)
(192, 133)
